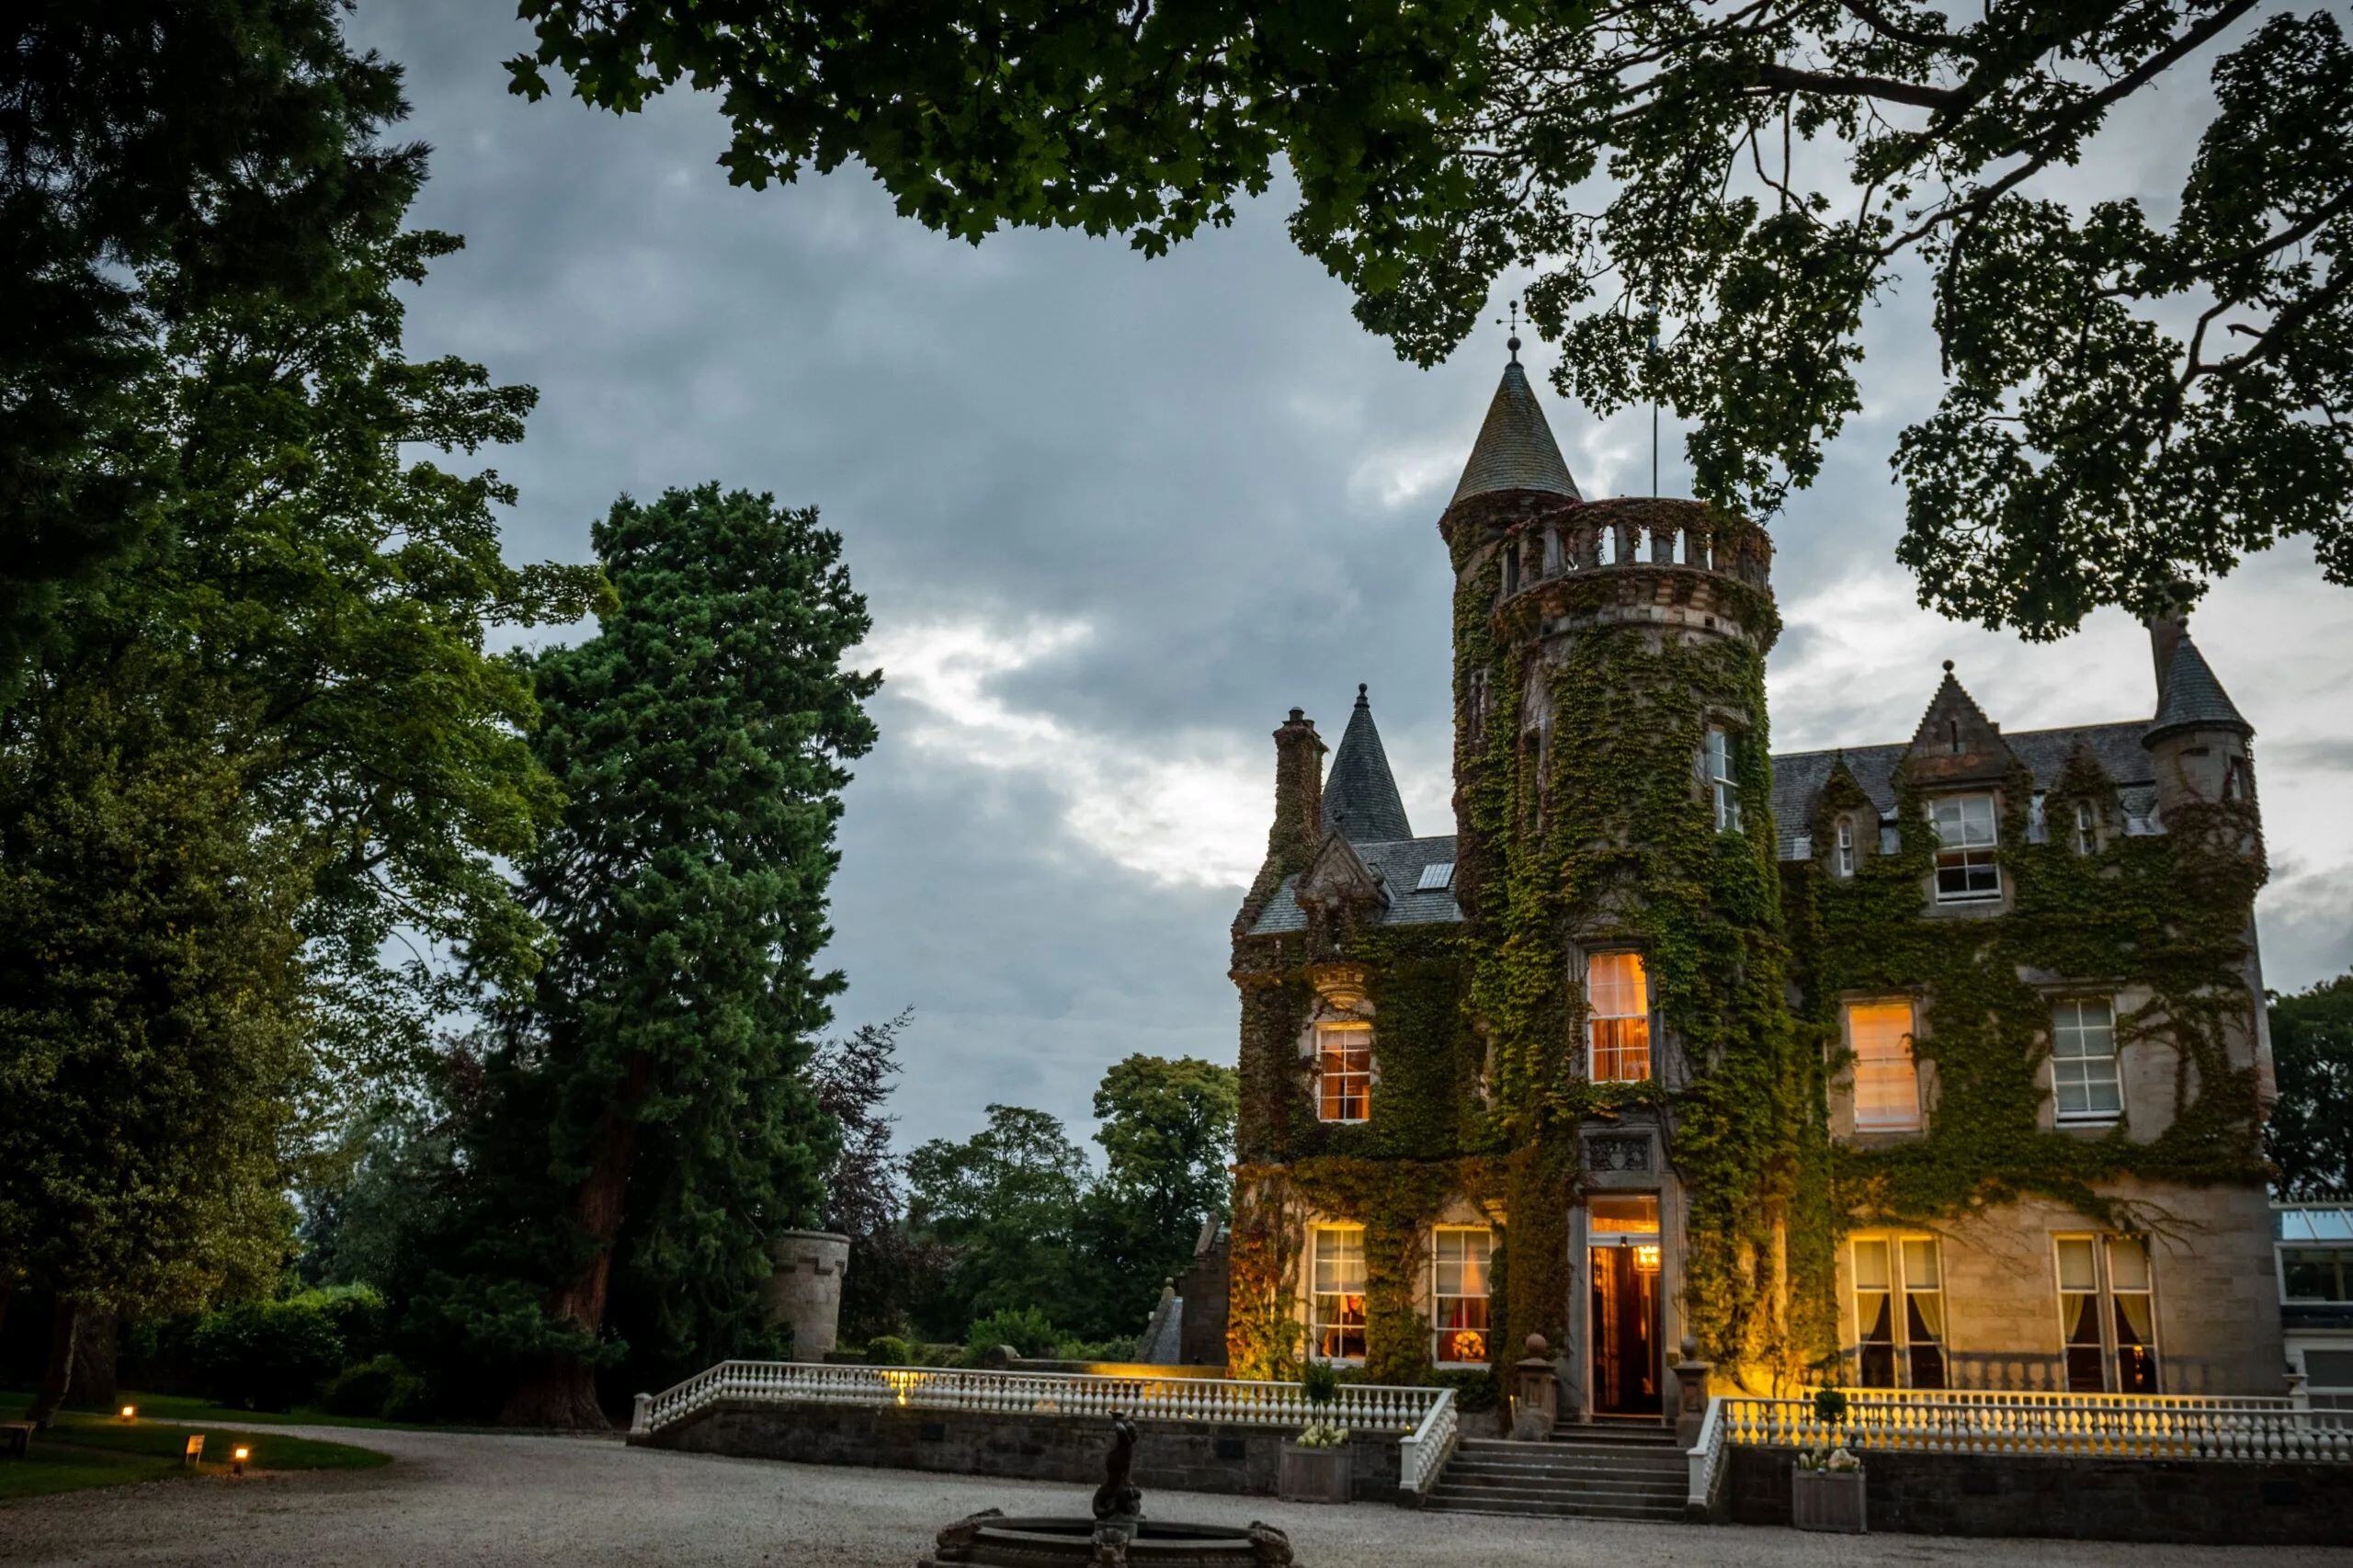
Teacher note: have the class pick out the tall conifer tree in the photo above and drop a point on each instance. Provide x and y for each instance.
(654, 1074)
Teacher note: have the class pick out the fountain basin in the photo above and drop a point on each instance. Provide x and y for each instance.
(992, 1537)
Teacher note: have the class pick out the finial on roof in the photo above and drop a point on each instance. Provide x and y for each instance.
(1512, 342)
(1948, 666)
(1362, 701)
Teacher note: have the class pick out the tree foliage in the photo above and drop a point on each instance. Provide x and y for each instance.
(1027, 1227)
(2126, 399)
(159, 161)
(655, 1108)
(2310, 1135)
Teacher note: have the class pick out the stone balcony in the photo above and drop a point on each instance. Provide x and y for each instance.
(1637, 560)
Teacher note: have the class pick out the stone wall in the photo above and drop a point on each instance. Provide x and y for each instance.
(2217, 1297)
(2081, 1499)
(1180, 1455)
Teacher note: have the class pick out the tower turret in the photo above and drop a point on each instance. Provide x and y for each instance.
(1615, 862)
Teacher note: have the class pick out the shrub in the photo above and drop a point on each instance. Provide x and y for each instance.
(1096, 1350)
(375, 1387)
(265, 1356)
(356, 1311)
(1027, 1330)
(889, 1350)
(1320, 1381)
(1475, 1392)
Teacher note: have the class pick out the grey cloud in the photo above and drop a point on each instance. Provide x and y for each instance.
(1203, 459)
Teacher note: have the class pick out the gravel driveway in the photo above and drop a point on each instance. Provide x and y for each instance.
(571, 1503)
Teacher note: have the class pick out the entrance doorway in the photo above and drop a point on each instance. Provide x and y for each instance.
(1624, 1329)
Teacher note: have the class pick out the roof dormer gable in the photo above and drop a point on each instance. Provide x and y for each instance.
(1956, 743)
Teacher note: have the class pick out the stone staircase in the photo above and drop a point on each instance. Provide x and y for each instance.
(1633, 1471)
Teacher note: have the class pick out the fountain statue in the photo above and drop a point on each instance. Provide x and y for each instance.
(1116, 1536)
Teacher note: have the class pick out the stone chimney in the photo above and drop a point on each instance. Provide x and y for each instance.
(1298, 828)
(1299, 793)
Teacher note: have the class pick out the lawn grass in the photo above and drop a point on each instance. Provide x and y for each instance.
(83, 1450)
(196, 1409)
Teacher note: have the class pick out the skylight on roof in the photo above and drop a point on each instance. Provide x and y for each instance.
(1435, 876)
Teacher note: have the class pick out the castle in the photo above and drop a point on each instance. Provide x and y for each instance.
(1937, 1064)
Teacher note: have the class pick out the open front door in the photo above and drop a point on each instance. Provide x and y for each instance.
(1624, 1322)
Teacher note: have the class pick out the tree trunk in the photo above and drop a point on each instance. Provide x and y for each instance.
(58, 1369)
(92, 1384)
(562, 1390)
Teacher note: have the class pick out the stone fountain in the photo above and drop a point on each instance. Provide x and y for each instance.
(1118, 1535)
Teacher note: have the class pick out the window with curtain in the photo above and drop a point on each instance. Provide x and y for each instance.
(1459, 1258)
(1724, 787)
(2085, 1084)
(2107, 1315)
(1343, 1072)
(2134, 1298)
(1618, 1019)
(1887, 1082)
(1899, 1312)
(1336, 1303)
(1967, 870)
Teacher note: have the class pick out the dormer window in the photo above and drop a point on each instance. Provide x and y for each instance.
(1967, 870)
(2087, 829)
(2038, 822)
(1722, 787)
(1343, 1072)
(1846, 861)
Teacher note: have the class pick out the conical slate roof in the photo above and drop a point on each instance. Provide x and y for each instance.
(1515, 449)
(1360, 797)
(2193, 700)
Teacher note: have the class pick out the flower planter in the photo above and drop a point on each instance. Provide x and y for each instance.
(1827, 1500)
(1315, 1476)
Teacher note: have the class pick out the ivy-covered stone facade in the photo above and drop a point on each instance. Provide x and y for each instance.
(1936, 1064)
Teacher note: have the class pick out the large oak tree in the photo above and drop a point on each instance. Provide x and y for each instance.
(2129, 396)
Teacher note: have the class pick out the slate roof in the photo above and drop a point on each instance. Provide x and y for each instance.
(1399, 867)
(1361, 795)
(2193, 698)
(1798, 778)
(1514, 449)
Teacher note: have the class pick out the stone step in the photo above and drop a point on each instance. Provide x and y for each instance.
(1598, 1487)
(1551, 1508)
(1595, 1431)
(1555, 1459)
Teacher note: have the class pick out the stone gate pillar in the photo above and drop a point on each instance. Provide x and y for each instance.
(804, 1288)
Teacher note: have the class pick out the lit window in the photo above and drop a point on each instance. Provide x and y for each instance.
(2107, 1314)
(1343, 1072)
(1618, 1023)
(1887, 1084)
(1846, 847)
(1459, 1294)
(1336, 1304)
(2087, 829)
(1966, 872)
(1899, 1312)
(2084, 1082)
(1722, 785)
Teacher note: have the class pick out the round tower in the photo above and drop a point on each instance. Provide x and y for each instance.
(1617, 868)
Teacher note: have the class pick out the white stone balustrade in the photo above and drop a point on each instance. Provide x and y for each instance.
(1363, 1407)
(2252, 1429)
(1422, 1452)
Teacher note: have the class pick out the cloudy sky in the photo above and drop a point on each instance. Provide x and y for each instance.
(1114, 517)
